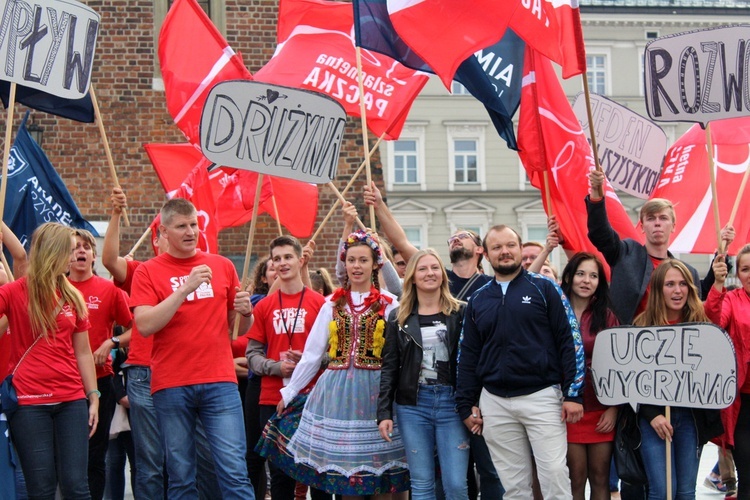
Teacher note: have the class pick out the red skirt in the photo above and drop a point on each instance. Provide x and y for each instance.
(583, 431)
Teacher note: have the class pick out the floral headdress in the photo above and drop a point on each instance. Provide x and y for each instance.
(363, 237)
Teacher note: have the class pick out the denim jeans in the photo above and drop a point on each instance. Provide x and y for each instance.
(149, 455)
(685, 457)
(99, 442)
(219, 409)
(52, 444)
(433, 422)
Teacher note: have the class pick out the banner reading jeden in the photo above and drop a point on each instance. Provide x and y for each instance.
(273, 130)
(48, 45)
(698, 76)
(631, 147)
(691, 365)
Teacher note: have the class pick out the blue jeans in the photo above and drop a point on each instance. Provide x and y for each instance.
(685, 457)
(432, 423)
(52, 445)
(219, 409)
(149, 455)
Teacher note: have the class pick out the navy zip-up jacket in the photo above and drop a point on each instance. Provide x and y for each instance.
(518, 343)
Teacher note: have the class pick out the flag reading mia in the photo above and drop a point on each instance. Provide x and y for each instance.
(35, 193)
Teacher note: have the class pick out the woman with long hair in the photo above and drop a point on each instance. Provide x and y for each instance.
(731, 311)
(419, 374)
(337, 446)
(673, 298)
(54, 371)
(590, 439)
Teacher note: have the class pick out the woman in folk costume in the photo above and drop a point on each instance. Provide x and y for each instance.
(335, 445)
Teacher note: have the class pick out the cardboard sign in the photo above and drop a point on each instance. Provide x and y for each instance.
(48, 45)
(273, 130)
(699, 76)
(690, 365)
(631, 147)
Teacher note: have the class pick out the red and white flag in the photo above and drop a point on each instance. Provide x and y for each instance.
(444, 33)
(685, 181)
(316, 52)
(194, 57)
(551, 140)
(553, 28)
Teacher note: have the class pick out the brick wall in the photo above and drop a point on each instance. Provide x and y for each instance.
(135, 114)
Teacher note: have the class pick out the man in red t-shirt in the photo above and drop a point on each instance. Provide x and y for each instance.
(107, 305)
(282, 322)
(187, 299)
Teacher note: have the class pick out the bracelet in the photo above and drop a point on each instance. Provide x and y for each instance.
(95, 391)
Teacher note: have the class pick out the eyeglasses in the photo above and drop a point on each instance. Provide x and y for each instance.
(459, 236)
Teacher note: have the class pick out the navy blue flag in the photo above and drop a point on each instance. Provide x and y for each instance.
(492, 75)
(80, 110)
(35, 193)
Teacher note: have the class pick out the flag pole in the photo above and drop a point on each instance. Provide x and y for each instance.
(363, 112)
(590, 115)
(248, 251)
(276, 211)
(346, 189)
(714, 192)
(343, 200)
(6, 150)
(107, 151)
(139, 242)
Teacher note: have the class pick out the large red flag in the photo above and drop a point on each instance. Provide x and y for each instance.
(553, 27)
(194, 57)
(446, 32)
(685, 181)
(316, 52)
(551, 140)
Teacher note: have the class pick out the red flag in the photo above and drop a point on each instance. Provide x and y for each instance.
(551, 140)
(553, 27)
(685, 181)
(194, 57)
(446, 32)
(316, 52)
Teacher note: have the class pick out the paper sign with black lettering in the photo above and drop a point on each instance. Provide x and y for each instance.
(699, 76)
(631, 147)
(48, 45)
(691, 365)
(273, 130)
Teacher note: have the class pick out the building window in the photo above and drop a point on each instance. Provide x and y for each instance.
(465, 160)
(596, 73)
(405, 162)
(405, 158)
(466, 154)
(459, 89)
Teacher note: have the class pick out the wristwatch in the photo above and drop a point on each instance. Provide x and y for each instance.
(116, 341)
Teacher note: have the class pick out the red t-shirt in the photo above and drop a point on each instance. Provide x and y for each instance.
(49, 372)
(139, 350)
(274, 325)
(107, 305)
(194, 347)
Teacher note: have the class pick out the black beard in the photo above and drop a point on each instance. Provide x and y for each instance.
(460, 253)
(506, 270)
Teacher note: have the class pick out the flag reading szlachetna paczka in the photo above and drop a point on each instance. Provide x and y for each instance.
(36, 194)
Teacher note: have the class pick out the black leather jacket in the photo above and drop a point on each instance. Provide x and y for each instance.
(402, 360)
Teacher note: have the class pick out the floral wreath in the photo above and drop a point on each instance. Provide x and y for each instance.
(362, 237)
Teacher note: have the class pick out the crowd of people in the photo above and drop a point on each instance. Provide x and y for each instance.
(404, 379)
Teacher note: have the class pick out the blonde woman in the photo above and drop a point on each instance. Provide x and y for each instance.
(54, 369)
(419, 374)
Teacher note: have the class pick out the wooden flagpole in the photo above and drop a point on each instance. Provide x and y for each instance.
(714, 192)
(363, 112)
(107, 151)
(248, 251)
(346, 189)
(590, 115)
(6, 150)
(343, 200)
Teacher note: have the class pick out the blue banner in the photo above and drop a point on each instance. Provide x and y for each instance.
(35, 193)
